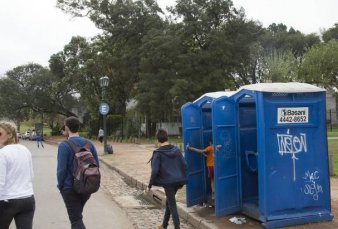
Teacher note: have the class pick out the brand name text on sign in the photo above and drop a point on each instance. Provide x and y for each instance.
(293, 115)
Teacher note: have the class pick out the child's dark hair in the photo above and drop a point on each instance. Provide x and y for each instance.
(73, 123)
(162, 136)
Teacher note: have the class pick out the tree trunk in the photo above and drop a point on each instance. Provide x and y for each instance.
(148, 127)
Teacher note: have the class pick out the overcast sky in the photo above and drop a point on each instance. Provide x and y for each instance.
(33, 30)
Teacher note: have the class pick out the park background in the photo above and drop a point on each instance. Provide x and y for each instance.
(158, 59)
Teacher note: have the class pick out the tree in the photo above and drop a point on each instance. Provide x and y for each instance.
(16, 94)
(12, 101)
(159, 52)
(30, 90)
(279, 39)
(78, 68)
(46, 96)
(219, 41)
(331, 34)
(23, 73)
(245, 58)
(280, 67)
(124, 24)
(320, 65)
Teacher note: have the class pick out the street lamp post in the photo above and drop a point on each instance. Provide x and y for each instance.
(104, 109)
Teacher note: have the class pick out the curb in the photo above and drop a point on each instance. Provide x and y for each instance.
(159, 197)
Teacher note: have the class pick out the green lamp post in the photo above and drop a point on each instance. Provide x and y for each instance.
(104, 109)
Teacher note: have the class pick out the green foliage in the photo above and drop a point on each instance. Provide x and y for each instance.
(279, 39)
(79, 68)
(331, 34)
(30, 90)
(16, 98)
(320, 65)
(281, 67)
(161, 61)
(11, 100)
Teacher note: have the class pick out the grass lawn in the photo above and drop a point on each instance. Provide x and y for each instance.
(24, 126)
(332, 134)
(333, 150)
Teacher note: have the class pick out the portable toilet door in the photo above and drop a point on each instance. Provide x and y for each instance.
(293, 183)
(197, 130)
(226, 157)
(193, 135)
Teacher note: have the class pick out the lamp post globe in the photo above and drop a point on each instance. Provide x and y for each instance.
(104, 82)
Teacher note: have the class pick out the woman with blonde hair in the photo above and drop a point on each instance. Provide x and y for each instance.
(16, 175)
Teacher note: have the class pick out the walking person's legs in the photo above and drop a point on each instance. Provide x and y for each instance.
(84, 199)
(212, 186)
(74, 204)
(171, 208)
(7, 212)
(24, 219)
(21, 210)
(166, 215)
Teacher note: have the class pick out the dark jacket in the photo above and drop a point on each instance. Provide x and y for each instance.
(65, 160)
(168, 167)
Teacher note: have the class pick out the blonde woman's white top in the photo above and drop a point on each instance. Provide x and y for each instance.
(16, 172)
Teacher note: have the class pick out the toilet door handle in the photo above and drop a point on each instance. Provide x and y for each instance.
(218, 147)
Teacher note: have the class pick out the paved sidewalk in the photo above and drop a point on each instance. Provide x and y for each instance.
(130, 160)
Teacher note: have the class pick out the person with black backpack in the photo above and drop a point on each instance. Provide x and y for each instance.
(168, 170)
(78, 174)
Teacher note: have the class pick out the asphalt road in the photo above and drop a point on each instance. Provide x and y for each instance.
(100, 211)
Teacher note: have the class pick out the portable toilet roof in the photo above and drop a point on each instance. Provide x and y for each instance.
(209, 97)
(291, 87)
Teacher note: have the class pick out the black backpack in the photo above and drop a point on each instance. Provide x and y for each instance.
(86, 172)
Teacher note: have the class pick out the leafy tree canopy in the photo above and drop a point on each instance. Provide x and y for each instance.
(320, 65)
(331, 34)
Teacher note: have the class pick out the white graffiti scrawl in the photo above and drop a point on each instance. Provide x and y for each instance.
(292, 144)
(312, 187)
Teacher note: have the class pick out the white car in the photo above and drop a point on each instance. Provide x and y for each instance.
(26, 135)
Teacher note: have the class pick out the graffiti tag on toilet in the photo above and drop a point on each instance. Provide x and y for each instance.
(292, 115)
(293, 145)
(312, 187)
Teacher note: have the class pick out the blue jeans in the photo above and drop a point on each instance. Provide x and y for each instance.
(171, 208)
(74, 203)
(21, 210)
(39, 141)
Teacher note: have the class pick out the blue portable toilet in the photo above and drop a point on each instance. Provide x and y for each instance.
(197, 130)
(271, 154)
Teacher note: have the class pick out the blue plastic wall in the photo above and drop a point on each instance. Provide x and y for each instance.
(193, 135)
(226, 157)
(275, 172)
(293, 160)
(197, 130)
